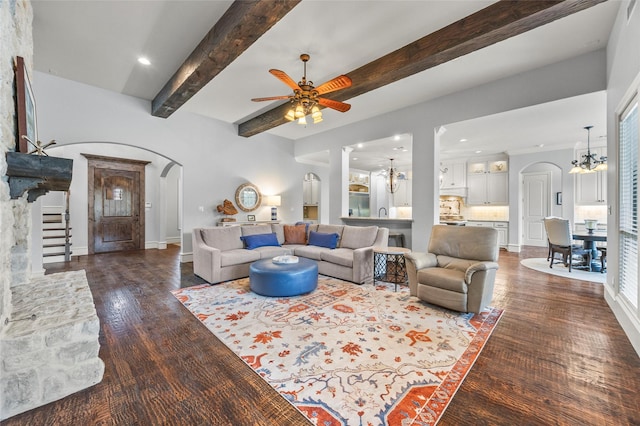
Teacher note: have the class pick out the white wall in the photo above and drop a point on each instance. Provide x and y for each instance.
(623, 65)
(172, 225)
(215, 160)
(78, 206)
(518, 163)
(573, 77)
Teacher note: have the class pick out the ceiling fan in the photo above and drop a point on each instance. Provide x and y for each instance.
(306, 98)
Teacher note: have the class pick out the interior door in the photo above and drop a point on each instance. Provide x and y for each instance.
(116, 204)
(117, 210)
(535, 208)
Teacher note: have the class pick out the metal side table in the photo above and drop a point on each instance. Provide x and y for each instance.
(389, 265)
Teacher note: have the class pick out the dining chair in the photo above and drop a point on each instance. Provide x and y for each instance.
(560, 241)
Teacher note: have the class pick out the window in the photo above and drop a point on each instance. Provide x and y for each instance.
(628, 170)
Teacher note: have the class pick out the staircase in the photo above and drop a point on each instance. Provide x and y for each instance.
(56, 234)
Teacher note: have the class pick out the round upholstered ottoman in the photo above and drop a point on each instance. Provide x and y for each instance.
(277, 280)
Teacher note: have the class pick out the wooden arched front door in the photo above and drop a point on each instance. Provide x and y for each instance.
(116, 203)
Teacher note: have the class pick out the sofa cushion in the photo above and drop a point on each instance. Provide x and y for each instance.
(354, 237)
(295, 234)
(236, 257)
(256, 229)
(329, 229)
(269, 252)
(310, 252)
(278, 228)
(340, 256)
(260, 240)
(449, 262)
(322, 239)
(222, 238)
(446, 279)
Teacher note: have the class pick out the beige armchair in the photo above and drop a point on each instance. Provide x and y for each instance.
(459, 269)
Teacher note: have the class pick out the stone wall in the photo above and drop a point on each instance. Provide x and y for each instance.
(15, 216)
(50, 347)
(48, 326)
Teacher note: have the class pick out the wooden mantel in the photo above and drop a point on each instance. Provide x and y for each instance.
(37, 174)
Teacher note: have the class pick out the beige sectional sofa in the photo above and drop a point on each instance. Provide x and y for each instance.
(219, 253)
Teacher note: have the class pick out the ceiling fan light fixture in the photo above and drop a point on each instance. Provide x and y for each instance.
(290, 115)
(316, 114)
(306, 98)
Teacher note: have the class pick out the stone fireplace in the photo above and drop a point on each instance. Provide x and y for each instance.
(48, 324)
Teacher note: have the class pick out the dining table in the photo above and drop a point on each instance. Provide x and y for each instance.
(589, 239)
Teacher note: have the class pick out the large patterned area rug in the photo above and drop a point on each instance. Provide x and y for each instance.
(348, 354)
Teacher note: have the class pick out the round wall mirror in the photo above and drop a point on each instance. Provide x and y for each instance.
(248, 198)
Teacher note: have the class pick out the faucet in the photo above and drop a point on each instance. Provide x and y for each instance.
(385, 211)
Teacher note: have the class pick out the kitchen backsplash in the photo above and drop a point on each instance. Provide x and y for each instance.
(497, 213)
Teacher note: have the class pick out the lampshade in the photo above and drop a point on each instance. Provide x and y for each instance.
(273, 200)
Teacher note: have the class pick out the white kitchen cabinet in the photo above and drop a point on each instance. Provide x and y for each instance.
(501, 227)
(591, 188)
(311, 192)
(402, 196)
(358, 182)
(455, 175)
(488, 183)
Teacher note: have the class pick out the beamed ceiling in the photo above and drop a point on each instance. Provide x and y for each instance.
(212, 57)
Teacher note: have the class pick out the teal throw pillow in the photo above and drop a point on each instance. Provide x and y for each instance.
(322, 239)
(260, 240)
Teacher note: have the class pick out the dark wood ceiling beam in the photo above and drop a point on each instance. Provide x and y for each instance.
(240, 26)
(497, 22)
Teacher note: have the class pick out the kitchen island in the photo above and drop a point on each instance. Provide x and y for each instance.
(395, 225)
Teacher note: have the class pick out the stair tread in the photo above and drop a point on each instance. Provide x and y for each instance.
(54, 254)
(50, 237)
(54, 245)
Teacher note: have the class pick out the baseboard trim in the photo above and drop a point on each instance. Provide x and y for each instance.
(186, 257)
(627, 319)
(514, 248)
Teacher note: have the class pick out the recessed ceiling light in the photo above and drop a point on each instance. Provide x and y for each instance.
(355, 158)
(463, 140)
(540, 145)
(396, 138)
(144, 61)
(478, 152)
(398, 148)
(360, 145)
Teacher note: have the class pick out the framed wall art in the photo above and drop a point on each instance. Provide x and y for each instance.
(25, 108)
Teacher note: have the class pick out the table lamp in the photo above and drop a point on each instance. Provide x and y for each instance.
(273, 201)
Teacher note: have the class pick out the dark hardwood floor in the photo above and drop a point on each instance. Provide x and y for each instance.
(557, 357)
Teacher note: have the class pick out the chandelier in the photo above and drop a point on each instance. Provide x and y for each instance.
(392, 177)
(589, 163)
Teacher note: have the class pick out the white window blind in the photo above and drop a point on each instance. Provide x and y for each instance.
(628, 169)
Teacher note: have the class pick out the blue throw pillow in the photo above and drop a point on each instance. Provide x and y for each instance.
(260, 240)
(322, 239)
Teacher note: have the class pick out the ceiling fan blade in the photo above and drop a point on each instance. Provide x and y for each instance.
(340, 82)
(282, 76)
(337, 105)
(271, 98)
